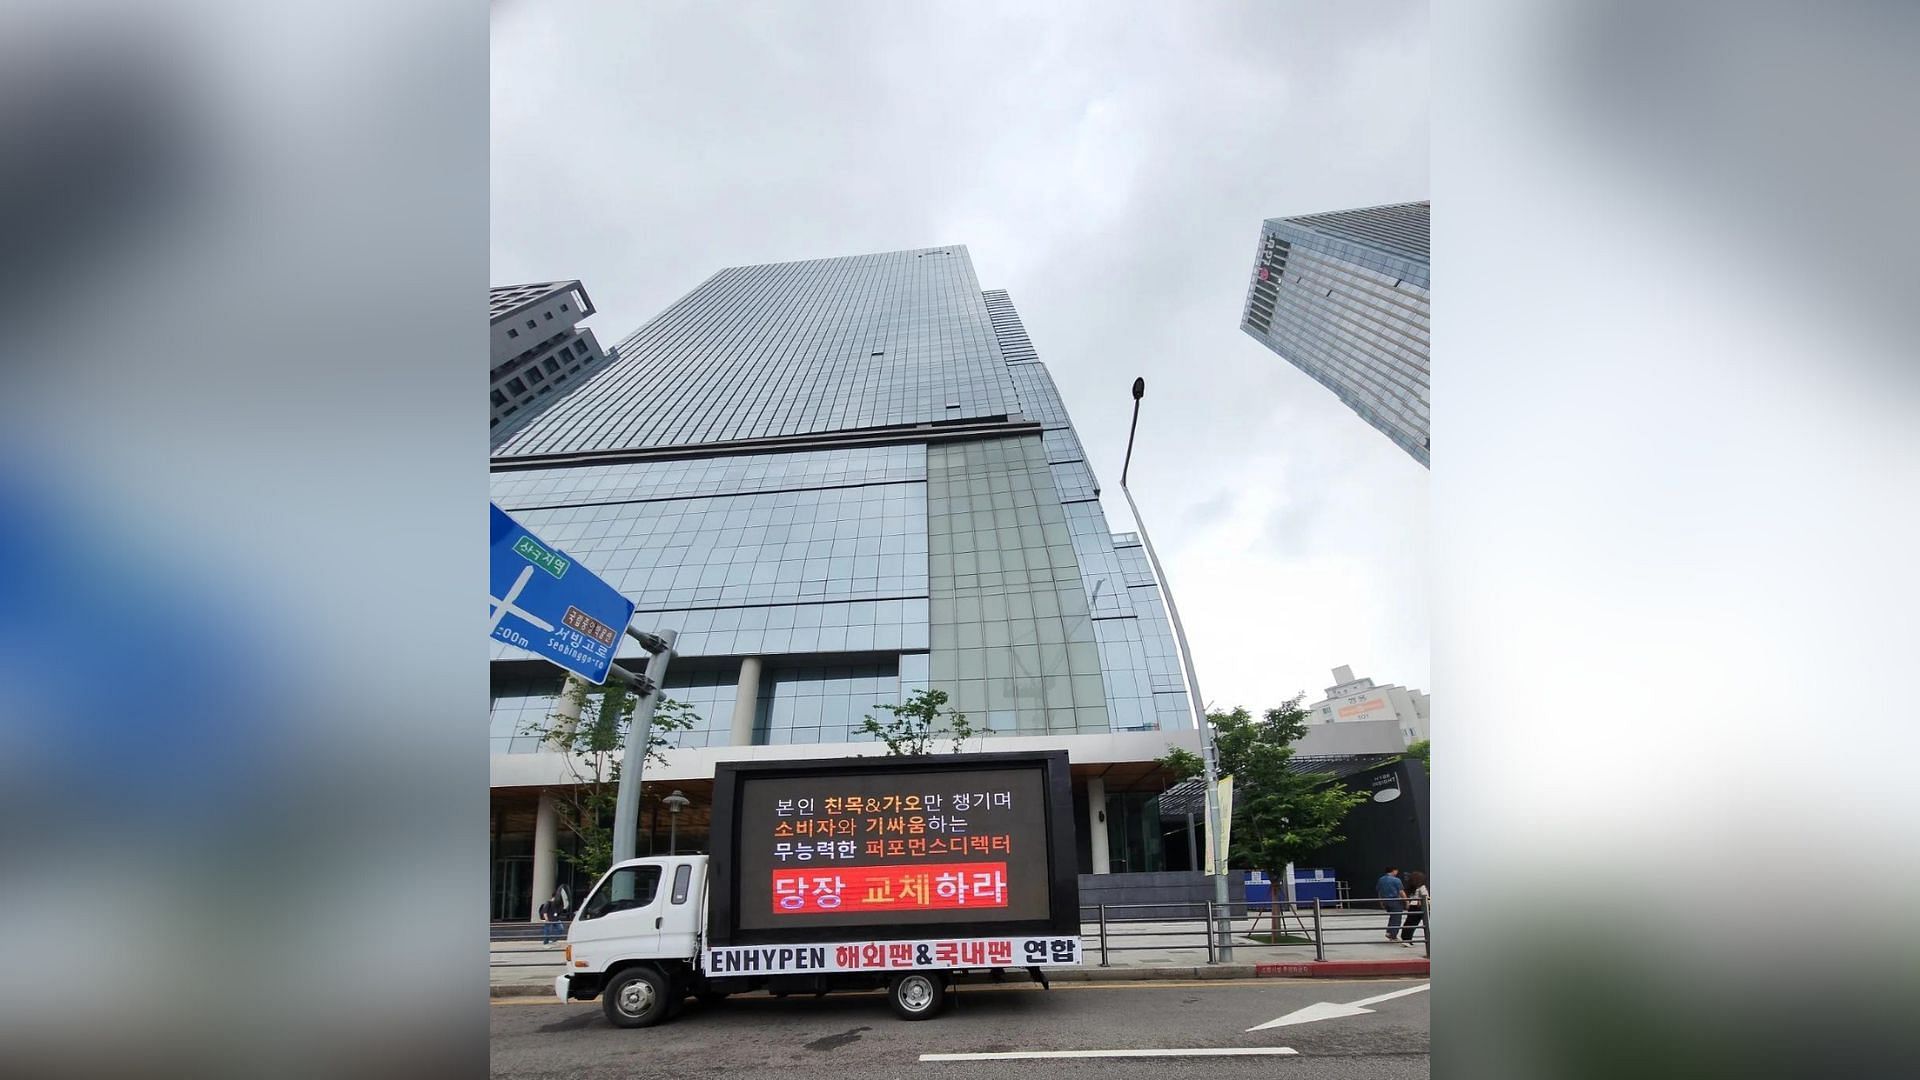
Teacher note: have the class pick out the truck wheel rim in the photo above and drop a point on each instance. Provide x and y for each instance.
(916, 993)
(636, 997)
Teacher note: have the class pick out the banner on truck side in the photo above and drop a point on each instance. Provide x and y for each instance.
(894, 955)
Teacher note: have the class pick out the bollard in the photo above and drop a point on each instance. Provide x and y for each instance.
(1209, 924)
(1319, 940)
(1103, 935)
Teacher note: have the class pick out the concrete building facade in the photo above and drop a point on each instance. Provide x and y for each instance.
(1343, 296)
(1353, 701)
(538, 350)
(841, 481)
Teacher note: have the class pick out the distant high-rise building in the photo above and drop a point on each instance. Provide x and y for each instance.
(538, 355)
(1343, 297)
(1352, 700)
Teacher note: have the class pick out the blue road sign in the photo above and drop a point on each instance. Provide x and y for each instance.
(541, 600)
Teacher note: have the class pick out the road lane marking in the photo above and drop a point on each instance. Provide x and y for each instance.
(1199, 1051)
(1333, 1010)
(1377, 999)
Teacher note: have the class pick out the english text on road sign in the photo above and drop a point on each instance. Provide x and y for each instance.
(540, 599)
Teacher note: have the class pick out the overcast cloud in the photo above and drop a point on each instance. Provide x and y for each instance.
(1108, 164)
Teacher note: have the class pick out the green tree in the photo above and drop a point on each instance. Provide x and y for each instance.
(593, 748)
(1279, 815)
(915, 726)
(1422, 750)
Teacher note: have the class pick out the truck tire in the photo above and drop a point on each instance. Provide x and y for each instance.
(637, 997)
(916, 995)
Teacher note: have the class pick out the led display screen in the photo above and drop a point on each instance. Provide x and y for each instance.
(902, 848)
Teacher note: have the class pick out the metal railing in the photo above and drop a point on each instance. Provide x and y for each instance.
(1196, 925)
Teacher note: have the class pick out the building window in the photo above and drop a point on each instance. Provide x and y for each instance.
(552, 364)
(548, 315)
(517, 386)
(533, 324)
(498, 398)
(563, 307)
(534, 375)
(580, 348)
(511, 332)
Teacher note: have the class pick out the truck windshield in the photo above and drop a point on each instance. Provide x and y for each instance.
(623, 890)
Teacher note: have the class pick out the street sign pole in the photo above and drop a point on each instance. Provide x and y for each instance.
(633, 766)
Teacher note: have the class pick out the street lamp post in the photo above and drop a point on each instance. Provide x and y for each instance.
(675, 803)
(1216, 837)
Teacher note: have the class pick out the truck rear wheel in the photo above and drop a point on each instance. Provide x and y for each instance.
(637, 997)
(916, 995)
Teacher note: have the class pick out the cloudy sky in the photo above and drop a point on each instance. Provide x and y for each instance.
(1107, 163)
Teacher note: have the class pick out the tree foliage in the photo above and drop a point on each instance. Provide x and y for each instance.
(915, 726)
(1279, 816)
(1422, 750)
(593, 748)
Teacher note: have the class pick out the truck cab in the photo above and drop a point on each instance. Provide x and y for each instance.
(636, 938)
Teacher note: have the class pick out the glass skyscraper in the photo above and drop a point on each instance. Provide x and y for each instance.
(1343, 296)
(841, 481)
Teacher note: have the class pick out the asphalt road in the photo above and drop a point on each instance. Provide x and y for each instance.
(855, 1036)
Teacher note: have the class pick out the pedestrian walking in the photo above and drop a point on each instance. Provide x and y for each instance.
(1417, 898)
(551, 928)
(1393, 897)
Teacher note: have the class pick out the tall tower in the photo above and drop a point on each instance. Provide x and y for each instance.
(843, 480)
(1343, 296)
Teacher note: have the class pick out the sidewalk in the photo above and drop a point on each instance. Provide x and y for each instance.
(1355, 945)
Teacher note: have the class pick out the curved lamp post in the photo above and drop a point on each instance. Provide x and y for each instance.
(1216, 837)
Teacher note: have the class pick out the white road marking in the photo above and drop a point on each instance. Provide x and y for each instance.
(503, 605)
(1330, 1010)
(1199, 1051)
(1378, 998)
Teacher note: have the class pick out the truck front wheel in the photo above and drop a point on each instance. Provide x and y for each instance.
(637, 997)
(916, 996)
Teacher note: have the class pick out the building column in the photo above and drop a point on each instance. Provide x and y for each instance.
(546, 854)
(1097, 823)
(746, 701)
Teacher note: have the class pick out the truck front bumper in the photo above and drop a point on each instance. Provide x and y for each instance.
(560, 987)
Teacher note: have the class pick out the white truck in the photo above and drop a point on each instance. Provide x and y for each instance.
(842, 874)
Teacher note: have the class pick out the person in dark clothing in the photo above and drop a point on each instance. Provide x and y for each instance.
(1417, 897)
(1393, 897)
(551, 926)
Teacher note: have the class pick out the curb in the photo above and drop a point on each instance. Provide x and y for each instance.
(1315, 969)
(1326, 969)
